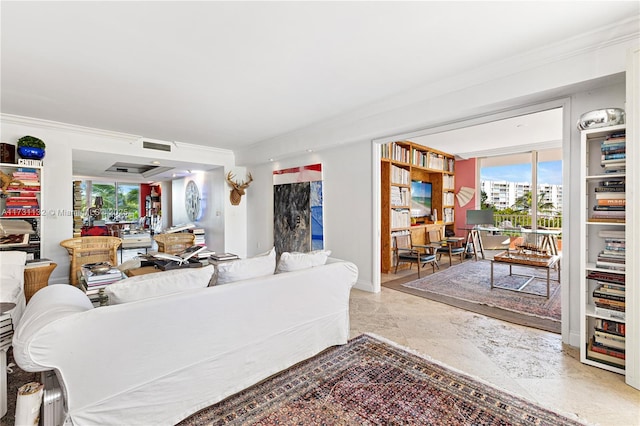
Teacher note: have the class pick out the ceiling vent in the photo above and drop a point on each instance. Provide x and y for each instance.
(156, 146)
(145, 170)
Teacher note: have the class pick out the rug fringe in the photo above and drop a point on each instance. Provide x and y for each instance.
(484, 382)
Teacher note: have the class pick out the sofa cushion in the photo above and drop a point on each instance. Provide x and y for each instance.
(244, 269)
(12, 265)
(158, 284)
(295, 261)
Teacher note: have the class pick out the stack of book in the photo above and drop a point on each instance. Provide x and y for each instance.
(93, 282)
(608, 343)
(224, 256)
(37, 263)
(614, 253)
(199, 236)
(609, 293)
(613, 153)
(610, 201)
(26, 202)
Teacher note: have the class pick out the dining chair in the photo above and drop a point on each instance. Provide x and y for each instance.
(406, 252)
(449, 246)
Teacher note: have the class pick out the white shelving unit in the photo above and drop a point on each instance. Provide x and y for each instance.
(28, 200)
(596, 235)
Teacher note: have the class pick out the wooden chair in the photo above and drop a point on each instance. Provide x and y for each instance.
(405, 252)
(84, 250)
(174, 243)
(449, 246)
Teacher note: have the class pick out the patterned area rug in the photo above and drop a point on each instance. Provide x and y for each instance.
(371, 382)
(468, 286)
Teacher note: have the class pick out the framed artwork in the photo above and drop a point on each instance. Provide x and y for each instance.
(11, 240)
(297, 202)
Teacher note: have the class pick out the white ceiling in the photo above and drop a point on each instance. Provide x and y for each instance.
(234, 74)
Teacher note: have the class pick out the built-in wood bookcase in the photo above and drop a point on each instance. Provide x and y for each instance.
(403, 162)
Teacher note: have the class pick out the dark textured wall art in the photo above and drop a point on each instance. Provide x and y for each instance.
(297, 200)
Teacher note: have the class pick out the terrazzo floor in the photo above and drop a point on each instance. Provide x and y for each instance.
(531, 363)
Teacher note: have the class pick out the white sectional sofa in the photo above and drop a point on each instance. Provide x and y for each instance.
(159, 359)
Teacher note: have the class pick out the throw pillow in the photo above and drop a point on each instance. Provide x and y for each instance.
(244, 269)
(158, 284)
(295, 261)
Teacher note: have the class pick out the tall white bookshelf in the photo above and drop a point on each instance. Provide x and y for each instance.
(603, 283)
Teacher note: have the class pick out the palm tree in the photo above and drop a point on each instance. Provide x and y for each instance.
(523, 203)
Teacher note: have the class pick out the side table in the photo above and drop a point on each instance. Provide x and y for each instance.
(36, 278)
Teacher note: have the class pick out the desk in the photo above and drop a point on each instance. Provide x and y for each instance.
(548, 242)
(474, 240)
(529, 261)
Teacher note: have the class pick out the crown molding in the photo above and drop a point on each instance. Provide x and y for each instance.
(124, 137)
(65, 127)
(621, 33)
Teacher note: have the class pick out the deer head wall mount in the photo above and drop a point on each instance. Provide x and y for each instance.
(237, 190)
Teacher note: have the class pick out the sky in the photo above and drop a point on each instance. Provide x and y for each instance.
(549, 172)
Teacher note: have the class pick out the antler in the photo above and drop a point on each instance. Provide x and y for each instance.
(237, 185)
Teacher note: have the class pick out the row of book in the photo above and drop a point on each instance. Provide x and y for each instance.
(399, 196)
(610, 201)
(400, 218)
(449, 182)
(400, 175)
(448, 215)
(607, 343)
(395, 152)
(613, 153)
(432, 160)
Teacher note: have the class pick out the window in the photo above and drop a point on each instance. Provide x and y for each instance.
(510, 183)
(120, 201)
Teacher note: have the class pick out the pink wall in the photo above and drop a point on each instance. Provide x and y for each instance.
(465, 176)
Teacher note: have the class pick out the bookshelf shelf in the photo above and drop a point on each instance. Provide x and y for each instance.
(21, 203)
(603, 249)
(404, 161)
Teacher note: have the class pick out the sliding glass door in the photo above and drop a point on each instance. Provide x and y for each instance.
(524, 190)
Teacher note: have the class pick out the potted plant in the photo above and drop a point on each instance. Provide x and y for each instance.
(31, 147)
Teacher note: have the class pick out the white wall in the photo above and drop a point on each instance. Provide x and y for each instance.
(61, 140)
(350, 214)
(347, 204)
(212, 206)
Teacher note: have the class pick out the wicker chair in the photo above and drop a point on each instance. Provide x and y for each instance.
(84, 250)
(174, 243)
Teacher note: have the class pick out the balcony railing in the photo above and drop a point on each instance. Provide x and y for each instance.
(524, 221)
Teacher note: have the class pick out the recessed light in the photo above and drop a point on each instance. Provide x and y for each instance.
(155, 162)
(271, 159)
(309, 150)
